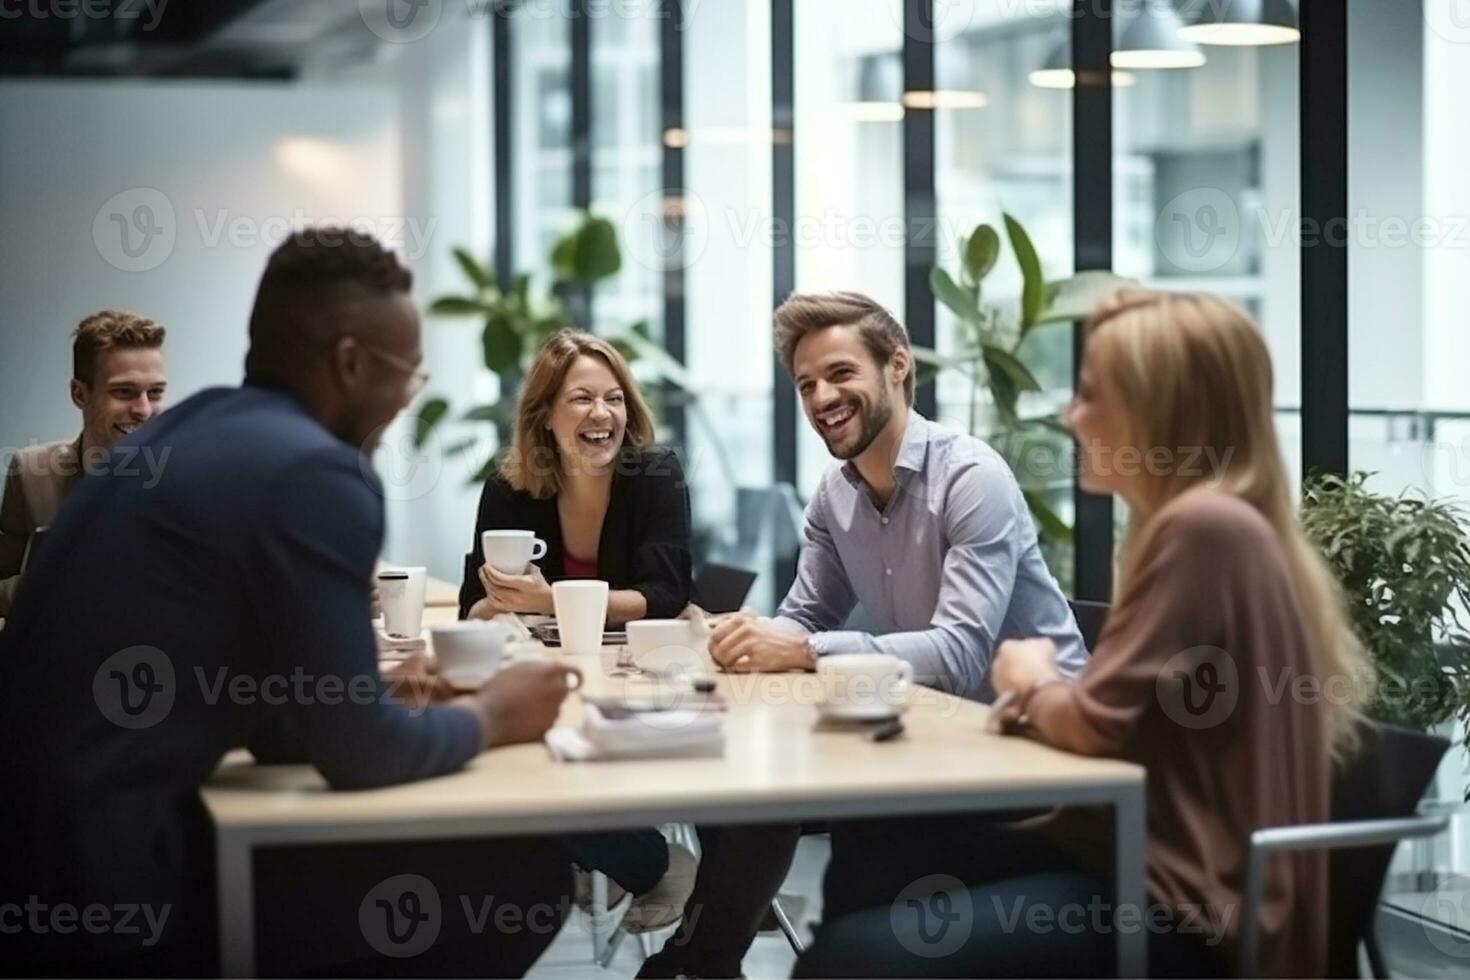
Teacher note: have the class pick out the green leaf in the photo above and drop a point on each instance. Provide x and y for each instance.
(473, 270)
(1001, 361)
(1077, 298)
(458, 306)
(501, 342)
(564, 257)
(948, 292)
(928, 357)
(1003, 391)
(981, 252)
(500, 411)
(588, 253)
(430, 414)
(461, 447)
(664, 364)
(1033, 285)
(1049, 523)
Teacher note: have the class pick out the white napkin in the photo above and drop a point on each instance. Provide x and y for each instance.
(679, 734)
(393, 645)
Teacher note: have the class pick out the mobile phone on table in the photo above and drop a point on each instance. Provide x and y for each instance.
(549, 635)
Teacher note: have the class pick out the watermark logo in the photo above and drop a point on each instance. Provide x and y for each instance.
(950, 18)
(1450, 19)
(135, 230)
(401, 21)
(933, 916)
(401, 916)
(666, 229)
(1199, 231)
(402, 469)
(135, 688)
(1199, 687)
(1446, 914)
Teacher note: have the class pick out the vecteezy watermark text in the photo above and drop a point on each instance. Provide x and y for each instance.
(152, 10)
(63, 919)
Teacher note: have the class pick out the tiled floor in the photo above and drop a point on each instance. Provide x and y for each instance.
(570, 955)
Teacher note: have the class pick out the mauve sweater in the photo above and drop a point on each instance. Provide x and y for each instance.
(1196, 677)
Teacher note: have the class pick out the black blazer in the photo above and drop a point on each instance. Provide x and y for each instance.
(645, 536)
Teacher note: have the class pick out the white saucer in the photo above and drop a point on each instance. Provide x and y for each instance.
(875, 711)
(470, 683)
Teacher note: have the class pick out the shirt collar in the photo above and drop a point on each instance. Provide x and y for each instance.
(913, 451)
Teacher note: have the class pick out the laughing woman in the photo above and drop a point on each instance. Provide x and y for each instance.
(582, 476)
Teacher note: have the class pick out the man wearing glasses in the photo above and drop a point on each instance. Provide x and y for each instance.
(130, 669)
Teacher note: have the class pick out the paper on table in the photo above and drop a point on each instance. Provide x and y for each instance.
(646, 735)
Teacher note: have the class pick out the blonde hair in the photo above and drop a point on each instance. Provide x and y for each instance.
(1191, 369)
(533, 462)
(108, 330)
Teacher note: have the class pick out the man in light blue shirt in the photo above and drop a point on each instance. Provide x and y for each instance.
(925, 527)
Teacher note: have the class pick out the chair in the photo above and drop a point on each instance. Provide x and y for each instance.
(1090, 619)
(1374, 804)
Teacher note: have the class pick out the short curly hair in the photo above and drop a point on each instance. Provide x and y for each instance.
(306, 273)
(108, 330)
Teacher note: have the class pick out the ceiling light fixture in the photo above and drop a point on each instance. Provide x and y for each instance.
(1150, 40)
(1245, 23)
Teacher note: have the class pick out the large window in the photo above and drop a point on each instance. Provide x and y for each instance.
(1207, 188)
(849, 227)
(1408, 240)
(727, 260)
(1003, 146)
(626, 142)
(542, 132)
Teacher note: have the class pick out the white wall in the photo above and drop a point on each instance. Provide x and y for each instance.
(254, 155)
(401, 148)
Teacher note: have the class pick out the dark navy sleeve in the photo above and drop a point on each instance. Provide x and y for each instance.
(317, 540)
(661, 565)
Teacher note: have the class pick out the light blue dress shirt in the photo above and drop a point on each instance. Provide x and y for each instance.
(949, 569)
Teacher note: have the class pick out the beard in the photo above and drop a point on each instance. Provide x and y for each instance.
(871, 421)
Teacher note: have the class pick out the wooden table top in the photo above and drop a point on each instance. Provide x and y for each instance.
(780, 760)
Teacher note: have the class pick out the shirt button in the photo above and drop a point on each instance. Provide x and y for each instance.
(887, 571)
(885, 521)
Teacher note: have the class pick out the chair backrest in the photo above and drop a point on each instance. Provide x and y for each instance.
(1385, 780)
(1090, 619)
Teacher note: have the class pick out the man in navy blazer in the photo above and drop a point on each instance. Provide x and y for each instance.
(176, 615)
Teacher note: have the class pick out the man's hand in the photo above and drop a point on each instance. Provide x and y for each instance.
(521, 701)
(1020, 665)
(415, 681)
(529, 593)
(744, 643)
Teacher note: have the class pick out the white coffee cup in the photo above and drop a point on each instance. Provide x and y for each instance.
(511, 551)
(581, 611)
(401, 594)
(648, 635)
(468, 652)
(864, 685)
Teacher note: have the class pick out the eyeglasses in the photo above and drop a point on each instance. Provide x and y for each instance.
(418, 379)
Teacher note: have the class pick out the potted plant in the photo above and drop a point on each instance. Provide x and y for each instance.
(1404, 564)
(516, 317)
(990, 352)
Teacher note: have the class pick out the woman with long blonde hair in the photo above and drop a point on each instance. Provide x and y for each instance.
(1226, 668)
